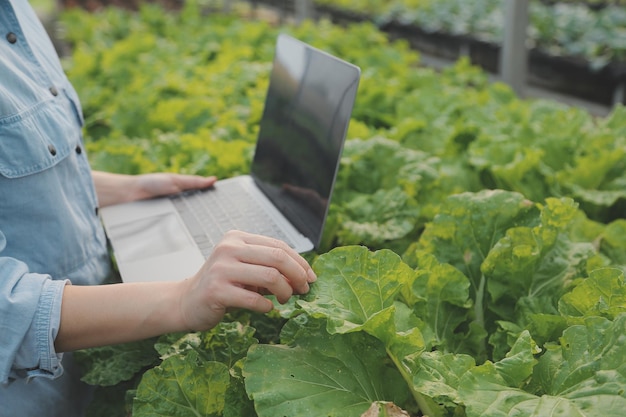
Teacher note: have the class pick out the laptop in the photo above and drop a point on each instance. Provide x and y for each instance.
(287, 193)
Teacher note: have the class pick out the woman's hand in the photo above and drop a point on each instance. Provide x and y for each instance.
(242, 268)
(239, 271)
(120, 188)
(160, 184)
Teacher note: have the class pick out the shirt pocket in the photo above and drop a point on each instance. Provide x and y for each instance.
(72, 96)
(39, 137)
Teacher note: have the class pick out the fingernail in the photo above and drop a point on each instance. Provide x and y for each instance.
(312, 276)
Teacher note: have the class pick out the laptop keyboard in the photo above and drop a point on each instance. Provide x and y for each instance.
(210, 214)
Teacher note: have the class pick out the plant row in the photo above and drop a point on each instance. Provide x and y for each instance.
(566, 29)
(473, 256)
(593, 4)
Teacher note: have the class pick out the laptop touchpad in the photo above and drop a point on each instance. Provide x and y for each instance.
(150, 237)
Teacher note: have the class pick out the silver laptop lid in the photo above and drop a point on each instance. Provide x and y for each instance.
(307, 111)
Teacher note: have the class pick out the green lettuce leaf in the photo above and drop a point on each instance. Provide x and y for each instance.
(193, 363)
(227, 343)
(354, 285)
(584, 375)
(177, 388)
(596, 172)
(332, 375)
(613, 241)
(439, 296)
(357, 290)
(110, 365)
(380, 163)
(373, 219)
(537, 261)
(470, 224)
(437, 375)
(545, 327)
(463, 234)
(495, 388)
(237, 402)
(586, 371)
(603, 294)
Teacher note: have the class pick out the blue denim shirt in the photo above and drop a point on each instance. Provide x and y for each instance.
(50, 234)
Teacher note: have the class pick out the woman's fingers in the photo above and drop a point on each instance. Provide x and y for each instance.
(277, 257)
(237, 297)
(241, 269)
(159, 184)
(253, 277)
(267, 264)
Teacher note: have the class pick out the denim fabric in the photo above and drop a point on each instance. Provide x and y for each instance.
(50, 233)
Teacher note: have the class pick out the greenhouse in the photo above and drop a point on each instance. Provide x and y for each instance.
(473, 253)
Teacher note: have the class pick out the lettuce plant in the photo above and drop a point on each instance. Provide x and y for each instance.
(472, 263)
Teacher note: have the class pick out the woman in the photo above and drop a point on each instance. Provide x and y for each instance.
(53, 250)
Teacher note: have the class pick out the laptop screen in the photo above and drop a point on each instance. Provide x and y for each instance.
(307, 111)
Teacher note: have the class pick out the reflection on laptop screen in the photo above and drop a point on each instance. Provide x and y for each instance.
(310, 97)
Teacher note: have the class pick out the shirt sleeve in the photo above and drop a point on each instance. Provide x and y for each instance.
(30, 315)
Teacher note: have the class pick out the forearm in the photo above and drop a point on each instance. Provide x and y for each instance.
(118, 313)
(114, 188)
(241, 268)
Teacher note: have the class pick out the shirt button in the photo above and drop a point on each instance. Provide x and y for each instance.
(79, 150)
(52, 150)
(11, 37)
(54, 91)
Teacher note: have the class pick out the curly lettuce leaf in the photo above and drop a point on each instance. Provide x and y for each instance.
(192, 364)
(463, 234)
(227, 343)
(613, 241)
(179, 389)
(439, 295)
(545, 327)
(380, 163)
(583, 375)
(494, 388)
(374, 219)
(596, 172)
(111, 365)
(603, 294)
(540, 260)
(587, 368)
(470, 224)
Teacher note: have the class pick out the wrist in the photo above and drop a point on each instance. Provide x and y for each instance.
(115, 188)
(180, 317)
